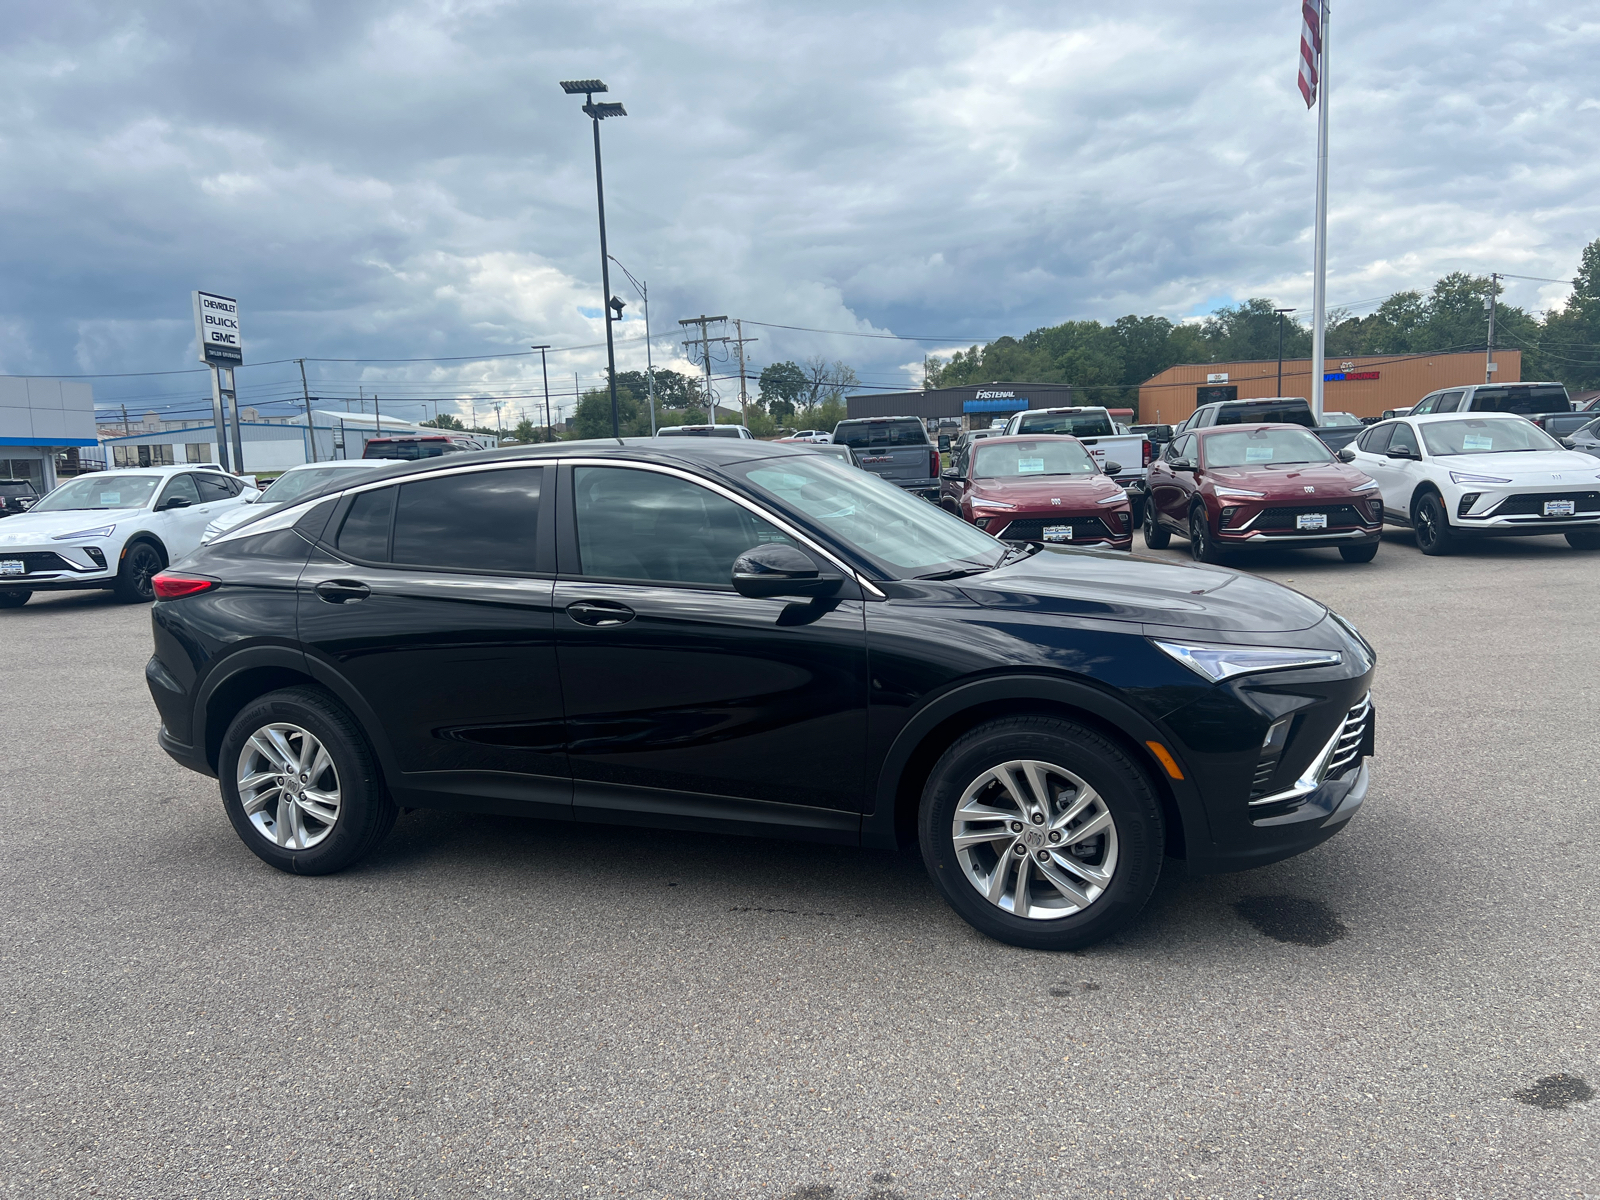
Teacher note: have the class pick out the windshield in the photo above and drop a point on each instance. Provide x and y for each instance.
(1485, 437)
(100, 491)
(1020, 460)
(1263, 447)
(1339, 420)
(409, 450)
(1298, 413)
(1075, 424)
(904, 535)
(11, 487)
(880, 433)
(294, 484)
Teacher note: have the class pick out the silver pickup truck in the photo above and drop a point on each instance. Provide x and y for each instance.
(1131, 452)
(895, 449)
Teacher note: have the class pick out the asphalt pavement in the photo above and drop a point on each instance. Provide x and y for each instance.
(492, 1006)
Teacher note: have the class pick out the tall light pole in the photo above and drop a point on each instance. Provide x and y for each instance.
(649, 364)
(1281, 313)
(549, 429)
(598, 113)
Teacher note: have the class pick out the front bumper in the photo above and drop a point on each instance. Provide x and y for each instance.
(60, 567)
(1100, 527)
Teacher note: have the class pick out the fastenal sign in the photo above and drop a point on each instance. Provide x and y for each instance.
(216, 329)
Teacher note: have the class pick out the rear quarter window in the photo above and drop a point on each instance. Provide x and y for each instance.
(1521, 399)
(1267, 414)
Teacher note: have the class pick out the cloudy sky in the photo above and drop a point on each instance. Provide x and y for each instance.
(383, 179)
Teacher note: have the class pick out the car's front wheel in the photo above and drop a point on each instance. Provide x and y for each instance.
(301, 784)
(141, 563)
(1041, 833)
(1201, 544)
(14, 599)
(1584, 539)
(1432, 526)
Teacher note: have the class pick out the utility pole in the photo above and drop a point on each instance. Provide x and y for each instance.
(1489, 365)
(499, 425)
(544, 365)
(649, 363)
(744, 396)
(1281, 312)
(704, 342)
(124, 420)
(305, 392)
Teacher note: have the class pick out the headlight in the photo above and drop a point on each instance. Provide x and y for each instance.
(1370, 485)
(980, 503)
(1114, 498)
(1463, 477)
(1217, 663)
(97, 531)
(1238, 493)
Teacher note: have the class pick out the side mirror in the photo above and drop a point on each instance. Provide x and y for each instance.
(1567, 442)
(174, 502)
(944, 442)
(1181, 464)
(778, 569)
(949, 474)
(1112, 468)
(1399, 452)
(1346, 455)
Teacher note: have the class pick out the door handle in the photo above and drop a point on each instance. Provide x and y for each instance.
(599, 612)
(337, 591)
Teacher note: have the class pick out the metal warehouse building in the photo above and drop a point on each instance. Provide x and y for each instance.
(1363, 385)
(976, 404)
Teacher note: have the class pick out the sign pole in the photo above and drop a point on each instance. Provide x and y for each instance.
(233, 416)
(217, 417)
(1319, 298)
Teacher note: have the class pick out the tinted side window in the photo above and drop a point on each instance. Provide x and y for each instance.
(470, 521)
(1404, 439)
(643, 525)
(181, 485)
(213, 487)
(1448, 402)
(1376, 439)
(1425, 406)
(365, 532)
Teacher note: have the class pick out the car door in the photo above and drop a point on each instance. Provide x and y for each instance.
(1171, 494)
(1397, 470)
(428, 604)
(953, 483)
(687, 703)
(179, 528)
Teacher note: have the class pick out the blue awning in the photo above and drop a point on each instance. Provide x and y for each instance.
(1009, 404)
(55, 441)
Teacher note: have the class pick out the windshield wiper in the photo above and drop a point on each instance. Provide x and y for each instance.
(959, 573)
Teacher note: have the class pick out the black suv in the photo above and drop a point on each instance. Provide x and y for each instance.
(751, 638)
(16, 496)
(1274, 410)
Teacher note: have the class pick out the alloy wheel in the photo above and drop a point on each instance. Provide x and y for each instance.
(1035, 840)
(1427, 534)
(1198, 537)
(143, 566)
(288, 786)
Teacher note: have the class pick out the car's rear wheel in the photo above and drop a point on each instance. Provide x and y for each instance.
(1432, 526)
(141, 563)
(1041, 833)
(1584, 539)
(1155, 536)
(1201, 544)
(1359, 553)
(301, 784)
(14, 599)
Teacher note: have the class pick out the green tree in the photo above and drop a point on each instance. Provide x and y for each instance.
(782, 386)
(444, 421)
(592, 419)
(1569, 342)
(1250, 331)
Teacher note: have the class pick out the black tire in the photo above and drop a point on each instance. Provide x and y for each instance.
(14, 599)
(1155, 536)
(1432, 526)
(1359, 553)
(140, 563)
(1202, 546)
(1125, 792)
(366, 814)
(1584, 539)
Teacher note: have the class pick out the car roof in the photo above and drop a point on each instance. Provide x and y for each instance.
(158, 471)
(1030, 438)
(355, 464)
(1209, 430)
(868, 420)
(1430, 418)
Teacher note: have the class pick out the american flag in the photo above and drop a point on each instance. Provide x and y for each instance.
(1310, 49)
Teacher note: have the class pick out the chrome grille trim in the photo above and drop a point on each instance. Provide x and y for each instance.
(1341, 751)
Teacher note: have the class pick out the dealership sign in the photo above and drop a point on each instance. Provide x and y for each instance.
(216, 330)
(1338, 376)
(992, 400)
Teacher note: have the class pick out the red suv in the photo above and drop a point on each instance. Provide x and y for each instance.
(1038, 489)
(1260, 485)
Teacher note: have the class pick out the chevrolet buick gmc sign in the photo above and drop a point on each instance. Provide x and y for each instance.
(216, 327)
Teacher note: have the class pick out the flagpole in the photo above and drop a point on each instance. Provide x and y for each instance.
(1319, 289)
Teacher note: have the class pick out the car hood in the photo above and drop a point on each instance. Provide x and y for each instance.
(1291, 480)
(29, 528)
(1151, 591)
(1534, 466)
(1069, 489)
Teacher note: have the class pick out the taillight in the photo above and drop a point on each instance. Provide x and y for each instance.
(1147, 454)
(933, 463)
(169, 586)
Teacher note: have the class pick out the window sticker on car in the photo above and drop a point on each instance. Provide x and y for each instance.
(1257, 454)
(1477, 441)
(1030, 466)
(110, 498)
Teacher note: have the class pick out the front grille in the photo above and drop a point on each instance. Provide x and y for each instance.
(1084, 529)
(1263, 778)
(38, 562)
(1531, 504)
(1347, 745)
(1340, 516)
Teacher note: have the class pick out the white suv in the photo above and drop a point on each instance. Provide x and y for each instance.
(112, 529)
(1451, 476)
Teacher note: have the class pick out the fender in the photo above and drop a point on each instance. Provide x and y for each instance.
(326, 674)
(145, 535)
(250, 658)
(878, 823)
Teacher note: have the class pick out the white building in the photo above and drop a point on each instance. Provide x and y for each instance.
(43, 423)
(270, 445)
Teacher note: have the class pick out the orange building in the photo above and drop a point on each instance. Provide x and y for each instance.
(1363, 385)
